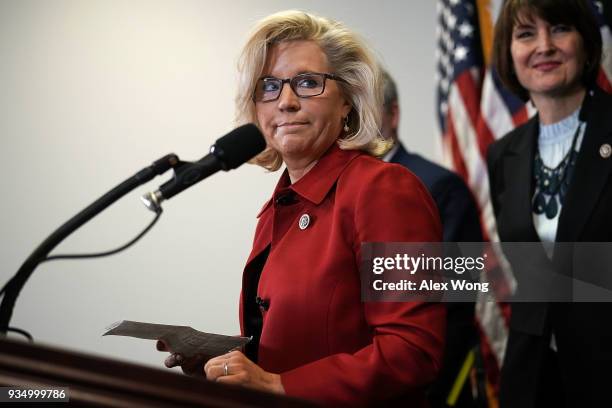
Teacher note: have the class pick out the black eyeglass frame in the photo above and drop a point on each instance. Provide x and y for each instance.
(289, 81)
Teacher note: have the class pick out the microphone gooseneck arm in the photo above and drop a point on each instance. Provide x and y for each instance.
(228, 152)
(13, 287)
(186, 174)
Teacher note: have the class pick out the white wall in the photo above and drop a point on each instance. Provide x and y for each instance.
(92, 91)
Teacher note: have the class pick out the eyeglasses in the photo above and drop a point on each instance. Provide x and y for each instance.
(303, 85)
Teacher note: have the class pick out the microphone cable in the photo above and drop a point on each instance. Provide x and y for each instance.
(158, 214)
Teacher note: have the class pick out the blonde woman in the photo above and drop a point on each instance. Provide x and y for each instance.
(314, 89)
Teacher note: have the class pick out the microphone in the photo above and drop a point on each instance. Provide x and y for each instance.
(228, 152)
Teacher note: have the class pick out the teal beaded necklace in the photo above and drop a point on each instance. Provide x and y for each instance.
(553, 182)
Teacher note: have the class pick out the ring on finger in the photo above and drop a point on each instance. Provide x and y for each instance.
(225, 368)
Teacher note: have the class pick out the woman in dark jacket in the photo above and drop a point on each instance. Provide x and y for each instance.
(551, 182)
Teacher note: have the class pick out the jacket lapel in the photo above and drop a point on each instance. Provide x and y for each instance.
(516, 216)
(591, 172)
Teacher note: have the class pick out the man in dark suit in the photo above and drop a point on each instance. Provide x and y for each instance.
(455, 202)
(460, 223)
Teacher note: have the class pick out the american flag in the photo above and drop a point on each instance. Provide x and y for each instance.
(473, 109)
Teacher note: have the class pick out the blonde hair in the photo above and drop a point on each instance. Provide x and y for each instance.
(349, 58)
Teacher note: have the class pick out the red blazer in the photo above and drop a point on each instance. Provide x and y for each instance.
(326, 344)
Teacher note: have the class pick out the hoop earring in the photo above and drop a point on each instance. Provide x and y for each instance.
(346, 125)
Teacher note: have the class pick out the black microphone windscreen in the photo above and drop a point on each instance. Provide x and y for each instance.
(239, 146)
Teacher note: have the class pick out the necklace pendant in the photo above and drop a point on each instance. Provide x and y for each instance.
(552, 208)
(539, 203)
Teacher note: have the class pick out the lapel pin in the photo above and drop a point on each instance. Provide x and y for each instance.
(304, 221)
(605, 150)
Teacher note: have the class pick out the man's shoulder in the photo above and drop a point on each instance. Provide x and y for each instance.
(431, 173)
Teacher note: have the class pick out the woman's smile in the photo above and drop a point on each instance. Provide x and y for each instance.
(547, 66)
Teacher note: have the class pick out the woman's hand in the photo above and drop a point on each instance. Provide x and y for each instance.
(192, 366)
(235, 368)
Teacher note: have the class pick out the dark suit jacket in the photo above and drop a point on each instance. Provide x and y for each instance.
(532, 374)
(458, 211)
(460, 223)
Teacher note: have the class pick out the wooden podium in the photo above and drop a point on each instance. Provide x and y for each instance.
(97, 381)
